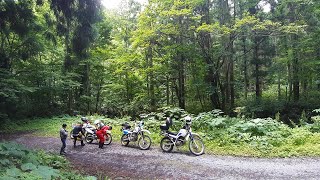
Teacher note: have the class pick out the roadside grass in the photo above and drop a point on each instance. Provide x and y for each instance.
(228, 136)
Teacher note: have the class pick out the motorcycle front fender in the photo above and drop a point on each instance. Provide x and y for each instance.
(144, 130)
(192, 134)
(195, 134)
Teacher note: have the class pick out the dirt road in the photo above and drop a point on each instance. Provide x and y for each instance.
(120, 162)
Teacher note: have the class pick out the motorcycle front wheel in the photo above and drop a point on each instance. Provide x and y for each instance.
(89, 138)
(108, 139)
(166, 144)
(125, 140)
(196, 146)
(144, 142)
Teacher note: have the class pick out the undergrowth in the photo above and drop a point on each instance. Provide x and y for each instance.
(260, 137)
(18, 162)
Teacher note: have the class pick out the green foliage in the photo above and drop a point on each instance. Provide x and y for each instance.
(315, 126)
(59, 57)
(222, 134)
(257, 127)
(17, 162)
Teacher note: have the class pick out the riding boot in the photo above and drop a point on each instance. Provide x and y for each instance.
(74, 142)
(82, 144)
(100, 145)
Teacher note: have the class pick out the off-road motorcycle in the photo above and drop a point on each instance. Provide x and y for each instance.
(90, 133)
(137, 134)
(185, 134)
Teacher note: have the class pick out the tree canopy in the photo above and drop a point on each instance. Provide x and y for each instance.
(75, 56)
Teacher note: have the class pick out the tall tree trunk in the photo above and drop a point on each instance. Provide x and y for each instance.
(87, 86)
(99, 88)
(231, 86)
(231, 82)
(67, 58)
(245, 63)
(128, 87)
(172, 92)
(257, 68)
(295, 62)
(289, 81)
(151, 79)
(225, 19)
(181, 81)
(167, 90)
(67, 64)
(244, 51)
(295, 71)
(198, 95)
(279, 86)
(181, 65)
(206, 48)
(70, 99)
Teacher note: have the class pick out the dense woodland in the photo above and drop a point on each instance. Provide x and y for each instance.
(251, 57)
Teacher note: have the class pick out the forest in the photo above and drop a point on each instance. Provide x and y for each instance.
(245, 57)
(246, 72)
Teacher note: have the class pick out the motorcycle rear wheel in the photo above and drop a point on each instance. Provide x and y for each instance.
(144, 142)
(89, 138)
(196, 146)
(166, 144)
(108, 138)
(125, 140)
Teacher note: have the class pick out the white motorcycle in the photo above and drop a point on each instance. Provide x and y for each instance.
(185, 134)
(90, 133)
(137, 134)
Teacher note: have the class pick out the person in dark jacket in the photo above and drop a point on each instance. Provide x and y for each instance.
(63, 136)
(78, 133)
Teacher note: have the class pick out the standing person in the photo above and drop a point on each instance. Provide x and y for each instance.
(63, 136)
(100, 134)
(78, 132)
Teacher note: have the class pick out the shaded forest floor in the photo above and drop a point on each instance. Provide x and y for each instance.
(120, 162)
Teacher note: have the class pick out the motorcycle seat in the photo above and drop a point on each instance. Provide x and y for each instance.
(164, 127)
(172, 133)
(125, 125)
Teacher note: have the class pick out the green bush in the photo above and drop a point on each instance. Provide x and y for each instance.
(18, 162)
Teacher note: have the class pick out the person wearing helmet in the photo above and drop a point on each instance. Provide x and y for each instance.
(63, 136)
(84, 119)
(101, 132)
(98, 123)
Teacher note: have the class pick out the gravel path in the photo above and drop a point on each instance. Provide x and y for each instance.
(120, 162)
